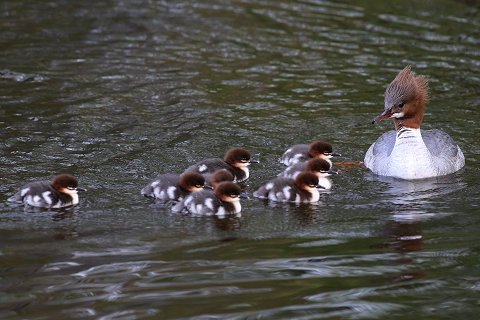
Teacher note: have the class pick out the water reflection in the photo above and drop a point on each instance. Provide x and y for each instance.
(418, 193)
(65, 233)
(228, 223)
(414, 203)
(403, 236)
(138, 86)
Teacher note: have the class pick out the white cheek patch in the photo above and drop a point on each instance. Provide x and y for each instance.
(171, 192)
(202, 168)
(398, 115)
(241, 164)
(70, 192)
(24, 191)
(197, 189)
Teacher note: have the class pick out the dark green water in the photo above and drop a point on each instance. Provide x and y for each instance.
(115, 92)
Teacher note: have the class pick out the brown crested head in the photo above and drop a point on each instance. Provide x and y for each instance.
(236, 156)
(191, 181)
(227, 191)
(306, 180)
(220, 176)
(64, 181)
(405, 99)
(317, 165)
(319, 148)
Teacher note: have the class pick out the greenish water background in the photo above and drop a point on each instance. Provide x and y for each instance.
(115, 92)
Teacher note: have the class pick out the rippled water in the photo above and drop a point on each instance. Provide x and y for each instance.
(115, 92)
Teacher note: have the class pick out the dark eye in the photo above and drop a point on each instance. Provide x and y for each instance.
(199, 185)
(71, 188)
(234, 195)
(401, 104)
(244, 160)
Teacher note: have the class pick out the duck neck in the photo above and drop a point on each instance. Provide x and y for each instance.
(411, 119)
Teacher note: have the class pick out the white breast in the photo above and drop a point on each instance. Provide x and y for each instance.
(237, 205)
(410, 158)
(326, 183)
(315, 195)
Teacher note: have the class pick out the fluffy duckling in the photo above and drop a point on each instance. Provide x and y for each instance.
(304, 152)
(236, 161)
(61, 192)
(318, 166)
(220, 176)
(304, 189)
(223, 200)
(174, 187)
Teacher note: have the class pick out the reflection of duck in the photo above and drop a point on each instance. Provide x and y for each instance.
(403, 236)
(228, 223)
(408, 152)
(419, 192)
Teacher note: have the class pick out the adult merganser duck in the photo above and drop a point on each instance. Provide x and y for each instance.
(408, 152)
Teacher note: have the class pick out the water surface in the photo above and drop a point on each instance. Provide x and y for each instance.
(119, 91)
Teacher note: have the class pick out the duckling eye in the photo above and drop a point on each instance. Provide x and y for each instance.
(312, 186)
(401, 104)
(234, 195)
(198, 185)
(244, 160)
(71, 188)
